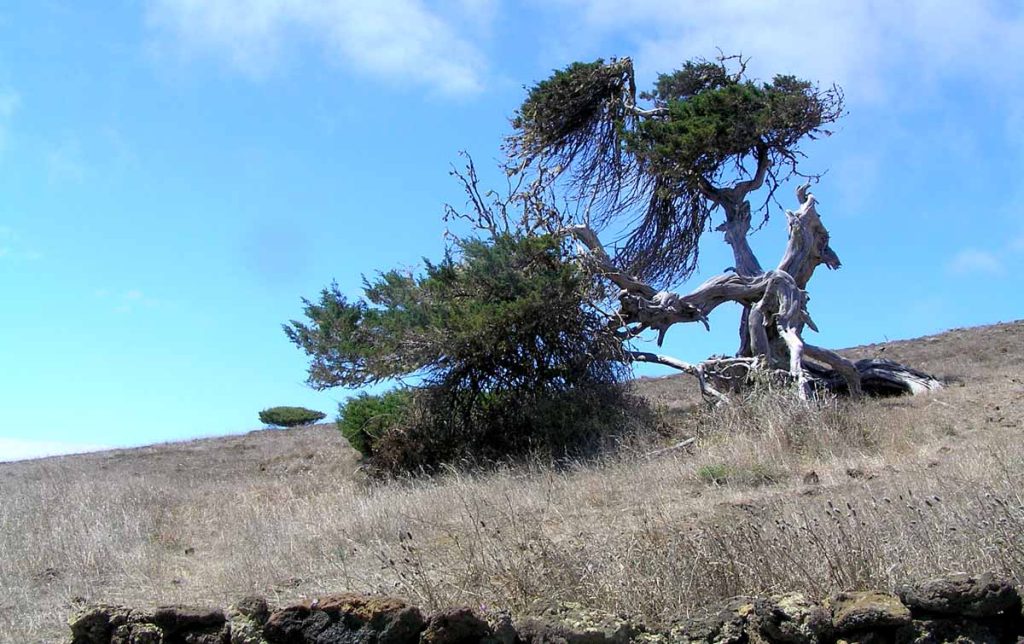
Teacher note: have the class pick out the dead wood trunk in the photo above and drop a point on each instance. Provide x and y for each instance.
(733, 203)
(775, 311)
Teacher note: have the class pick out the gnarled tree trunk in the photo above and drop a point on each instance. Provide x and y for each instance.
(736, 227)
(774, 311)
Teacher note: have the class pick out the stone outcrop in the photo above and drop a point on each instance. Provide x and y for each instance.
(983, 596)
(345, 618)
(164, 625)
(572, 623)
(956, 608)
(794, 619)
(864, 612)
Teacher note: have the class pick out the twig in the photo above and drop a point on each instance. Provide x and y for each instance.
(671, 448)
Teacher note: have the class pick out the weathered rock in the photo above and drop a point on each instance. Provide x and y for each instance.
(142, 633)
(245, 631)
(208, 636)
(572, 623)
(951, 631)
(793, 619)
(503, 630)
(106, 624)
(246, 619)
(455, 626)
(732, 624)
(253, 606)
(96, 624)
(854, 612)
(956, 609)
(174, 624)
(295, 625)
(960, 594)
(675, 635)
(867, 637)
(177, 619)
(345, 619)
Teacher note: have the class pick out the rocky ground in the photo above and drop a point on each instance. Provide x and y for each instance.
(956, 608)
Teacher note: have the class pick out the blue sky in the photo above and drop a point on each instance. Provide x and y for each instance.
(176, 174)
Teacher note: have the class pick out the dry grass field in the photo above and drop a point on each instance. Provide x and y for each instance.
(772, 495)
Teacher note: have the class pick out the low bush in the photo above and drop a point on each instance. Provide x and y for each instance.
(290, 416)
(363, 419)
(509, 356)
(714, 474)
(439, 427)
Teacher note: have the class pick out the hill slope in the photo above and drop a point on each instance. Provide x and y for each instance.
(771, 495)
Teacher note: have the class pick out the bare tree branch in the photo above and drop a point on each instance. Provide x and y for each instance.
(775, 306)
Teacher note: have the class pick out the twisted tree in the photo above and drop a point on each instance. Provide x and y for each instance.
(502, 351)
(706, 139)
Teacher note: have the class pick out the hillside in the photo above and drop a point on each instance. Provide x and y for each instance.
(770, 496)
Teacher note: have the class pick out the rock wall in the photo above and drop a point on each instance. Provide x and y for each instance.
(956, 608)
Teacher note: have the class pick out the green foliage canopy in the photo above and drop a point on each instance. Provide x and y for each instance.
(290, 416)
(494, 315)
(508, 353)
(365, 418)
(706, 128)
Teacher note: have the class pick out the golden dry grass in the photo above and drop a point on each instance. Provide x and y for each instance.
(904, 488)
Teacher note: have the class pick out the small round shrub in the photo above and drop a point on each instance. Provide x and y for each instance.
(290, 416)
(363, 419)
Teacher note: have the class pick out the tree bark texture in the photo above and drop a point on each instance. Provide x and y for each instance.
(774, 310)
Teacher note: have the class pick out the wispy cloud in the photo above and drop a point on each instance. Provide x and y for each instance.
(398, 40)
(18, 449)
(973, 260)
(999, 259)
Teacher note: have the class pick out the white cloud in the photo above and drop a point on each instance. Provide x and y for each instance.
(875, 49)
(399, 40)
(972, 260)
(17, 449)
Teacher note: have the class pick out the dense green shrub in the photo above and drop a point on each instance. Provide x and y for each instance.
(364, 418)
(290, 416)
(511, 356)
(440, 429)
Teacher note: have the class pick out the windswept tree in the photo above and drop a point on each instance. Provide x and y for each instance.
(507, 339)
(505, 351)
(667, 165)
